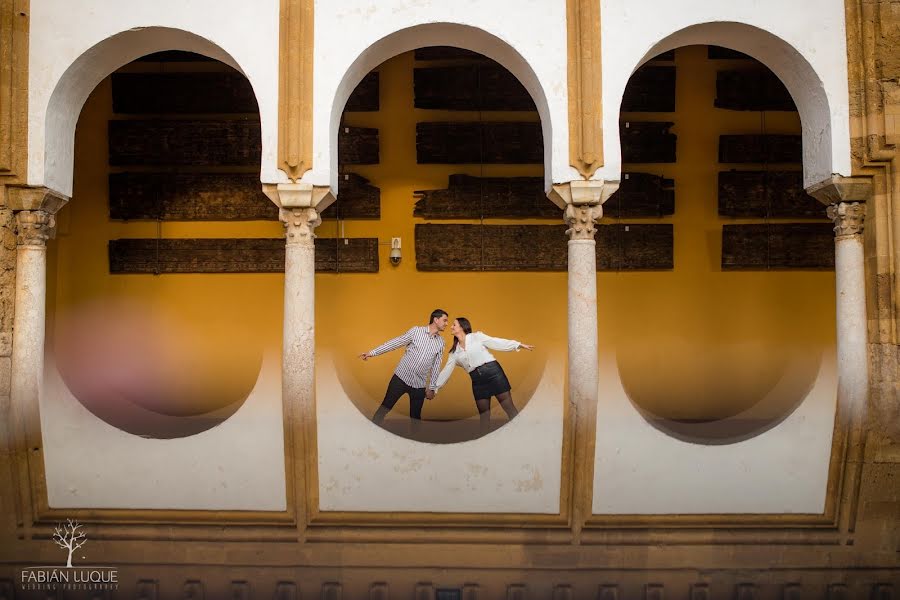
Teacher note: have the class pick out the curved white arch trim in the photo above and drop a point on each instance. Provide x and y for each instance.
(804, 45)
(529, 39)
(67, 62)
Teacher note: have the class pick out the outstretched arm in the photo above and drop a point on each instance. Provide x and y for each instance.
(503, 345)
(397, 342)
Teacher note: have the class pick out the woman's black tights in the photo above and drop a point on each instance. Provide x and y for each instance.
(484, 410)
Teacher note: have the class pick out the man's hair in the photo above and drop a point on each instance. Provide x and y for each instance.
(437, 314)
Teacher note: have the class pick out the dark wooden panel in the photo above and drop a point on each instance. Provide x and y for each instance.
(647, 142)
(778, 246)
(665, 56)
(650, 89)
(358, 146)
(479, 142)
(751, 89)
(184, 143)
(470, 87)
(468, 197)
(236, 255)
(537, 247)
(365, 98)
(720, 53)
(175, 56)
(445, 53)
(642, 195)
(356, 199)
(760, 149)
(182, 93)
(189, 197)
(766, 194)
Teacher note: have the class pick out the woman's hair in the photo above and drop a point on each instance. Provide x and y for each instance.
(466, 327)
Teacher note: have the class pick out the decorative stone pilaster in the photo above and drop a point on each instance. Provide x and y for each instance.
(582, 203)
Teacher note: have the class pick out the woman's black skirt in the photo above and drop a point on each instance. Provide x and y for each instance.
(489, 380)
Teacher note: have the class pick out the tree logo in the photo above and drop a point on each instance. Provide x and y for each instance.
(70, 538)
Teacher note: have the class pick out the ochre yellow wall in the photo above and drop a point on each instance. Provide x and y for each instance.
(691, 343)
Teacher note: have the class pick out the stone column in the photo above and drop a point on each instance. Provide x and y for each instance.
(299, 207)
(582, 202)
(850, 287)
(35, 223)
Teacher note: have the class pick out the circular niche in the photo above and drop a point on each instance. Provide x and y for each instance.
(737, 392)
(150, 373)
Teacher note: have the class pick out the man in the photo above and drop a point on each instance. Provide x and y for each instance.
(417, 370)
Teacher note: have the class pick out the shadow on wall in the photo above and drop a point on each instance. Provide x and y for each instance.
(736, 393)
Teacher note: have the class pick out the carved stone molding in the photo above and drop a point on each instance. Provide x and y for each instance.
(582, 192)
(848, 218)
(34, 227)
(299, 207)
(584, 83)
(295, 87)
(581, 219)
(837, 189)
(14, 23)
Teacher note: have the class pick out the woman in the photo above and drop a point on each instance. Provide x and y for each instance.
(470, 351)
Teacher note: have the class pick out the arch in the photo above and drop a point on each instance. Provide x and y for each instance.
(822, 154)
(85, 73)
(440, 34)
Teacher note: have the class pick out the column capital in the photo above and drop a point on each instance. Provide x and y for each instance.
(299, 195)
(22, 197)
(299, 224)
(34, 227)
(581, 219)
(848, 218)
(837, 189)
(582, 192)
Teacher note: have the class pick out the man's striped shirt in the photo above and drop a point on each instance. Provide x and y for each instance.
(422, 357)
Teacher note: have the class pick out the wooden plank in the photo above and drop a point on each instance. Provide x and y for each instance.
(538, 247)
(760, 149)
(182, 93)
(751, 89)
(766, 194)
(777, 246)
(358, 146)
(470, 87)
(647, 141)
(189, 197)
(356, 199)
(468, 197)
(650, 89)
(236, 255)
(642, 195)
(479, 142)
(446, 53)
(365, 98)
(184, 143)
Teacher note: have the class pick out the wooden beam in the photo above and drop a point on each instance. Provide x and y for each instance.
(766, 194)
(182, 93)
(470, 87)
(650, 89)
(365, 97)
(641, 195)
(515, 142)
(777, 246)
(752, 89)
(358, 146)
(236, 255)
(538, 247)
(468, 197)
(647, 141)
(356, 199)
(184, 143)
(760, 149)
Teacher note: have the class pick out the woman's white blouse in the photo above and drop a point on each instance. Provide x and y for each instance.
(474, 354)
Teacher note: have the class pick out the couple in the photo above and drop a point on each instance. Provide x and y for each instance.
(418, 375)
